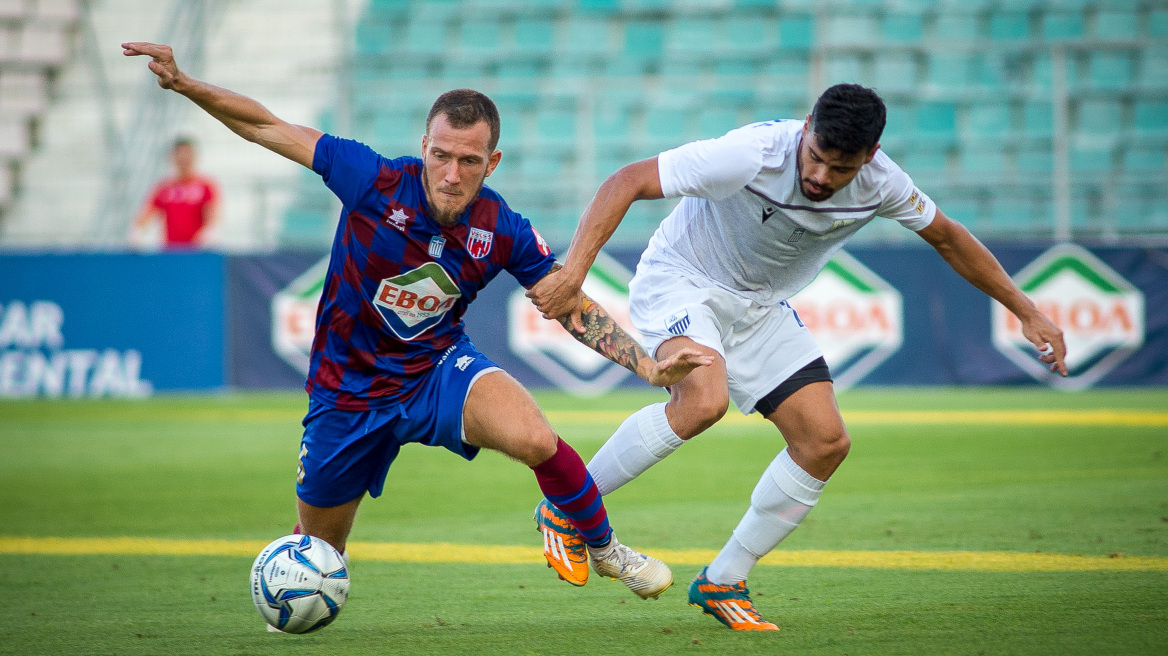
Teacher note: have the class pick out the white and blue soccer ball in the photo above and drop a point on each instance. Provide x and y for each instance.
(299, 583)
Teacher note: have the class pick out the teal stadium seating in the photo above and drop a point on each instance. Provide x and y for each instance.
(585, 86)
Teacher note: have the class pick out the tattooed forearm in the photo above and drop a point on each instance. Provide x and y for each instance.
(605, 336)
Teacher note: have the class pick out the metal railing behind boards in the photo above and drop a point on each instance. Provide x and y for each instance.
(139, 157)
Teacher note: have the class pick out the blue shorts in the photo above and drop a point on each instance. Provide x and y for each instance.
(344, 454)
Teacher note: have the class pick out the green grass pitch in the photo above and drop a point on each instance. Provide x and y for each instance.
(223, 467)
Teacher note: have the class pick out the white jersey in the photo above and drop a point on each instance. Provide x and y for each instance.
(744, 223)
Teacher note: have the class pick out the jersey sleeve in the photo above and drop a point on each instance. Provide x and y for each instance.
(902, 201)
(348, 168)
(531, 257)
(711, 168)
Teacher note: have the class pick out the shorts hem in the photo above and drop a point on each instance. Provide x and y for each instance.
(780, 379)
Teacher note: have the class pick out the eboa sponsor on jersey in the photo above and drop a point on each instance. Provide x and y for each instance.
(855, 315)
(1100, 313)
(554, 353)
(34, 362)
(410, 304)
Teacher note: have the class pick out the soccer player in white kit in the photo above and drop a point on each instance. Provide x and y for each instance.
(763, 209)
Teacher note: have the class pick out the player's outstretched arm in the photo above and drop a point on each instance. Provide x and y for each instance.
(244, 116)
(558, 293)
(970, 258)
(601, 333)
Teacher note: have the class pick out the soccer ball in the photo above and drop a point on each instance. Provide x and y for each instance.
(299, 583)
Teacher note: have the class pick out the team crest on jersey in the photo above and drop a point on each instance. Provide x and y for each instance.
(677, 323)
(478, 243)
(544, 249)
(415, 302)
(796, 236)
(436, 246)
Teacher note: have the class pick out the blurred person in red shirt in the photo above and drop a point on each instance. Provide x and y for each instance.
(188, 203)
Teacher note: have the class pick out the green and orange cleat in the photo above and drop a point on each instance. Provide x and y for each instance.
(563, 547)
(729, 604)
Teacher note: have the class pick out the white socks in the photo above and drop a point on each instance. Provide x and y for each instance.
(643, 440)
(783, 497)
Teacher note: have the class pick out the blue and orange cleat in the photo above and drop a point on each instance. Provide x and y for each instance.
(562, 545)
(729, 604)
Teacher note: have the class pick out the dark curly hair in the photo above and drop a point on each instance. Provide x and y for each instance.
(848, 118)
(464, 108)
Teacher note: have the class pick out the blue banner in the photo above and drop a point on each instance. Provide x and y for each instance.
(94, 325)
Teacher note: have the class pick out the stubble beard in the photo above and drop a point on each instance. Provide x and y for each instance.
(444, 218)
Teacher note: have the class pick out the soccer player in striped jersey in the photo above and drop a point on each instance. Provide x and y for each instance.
(763, 209)
(391, 363)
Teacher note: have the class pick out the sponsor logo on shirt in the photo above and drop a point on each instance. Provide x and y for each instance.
(398, 220)
(478, 243)
(415, 302)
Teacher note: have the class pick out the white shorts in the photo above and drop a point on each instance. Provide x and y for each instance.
(762, 345)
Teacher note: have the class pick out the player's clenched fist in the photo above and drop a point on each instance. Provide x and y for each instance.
(163, 65)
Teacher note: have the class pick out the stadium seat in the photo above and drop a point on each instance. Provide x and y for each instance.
(1038, 119)
(796, 31)
(1158, 22)
(1011, 213)
(956, 27)
(426, 37)
(1115, 25)
(1151, 116)
(1009, 25)
(991, 118)
(925, 158)
(690, 36)
(644, 38)
(1109, 70)
(716, 121)
(746, 34)
(479, 36)
(665, 126)
(843, 68)
(937, 118)
(534, 35)
(850, 29)
(1035, 160)
(610, 126)
(1154, 69)
(556, 125)
(1099, 118)
(586, 36)
(948, 72)
(1144, 159)
(895, 73)
(902, 27)
(1059, 25)
(1090, 158)
(982, 160)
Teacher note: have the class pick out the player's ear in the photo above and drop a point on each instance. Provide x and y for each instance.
(424, 142)
(493, 161)
(872, 154)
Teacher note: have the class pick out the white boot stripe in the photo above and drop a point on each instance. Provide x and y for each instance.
(563, 550)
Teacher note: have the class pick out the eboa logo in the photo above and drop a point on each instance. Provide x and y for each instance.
(415, 302)
(551, 351)
(294, 316)
(1101, 315)
(854, 314)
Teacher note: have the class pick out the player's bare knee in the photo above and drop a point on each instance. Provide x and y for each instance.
(539, 445)
(696, 414)
(835, 445)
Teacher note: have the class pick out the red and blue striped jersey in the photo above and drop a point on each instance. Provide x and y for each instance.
(398, 283)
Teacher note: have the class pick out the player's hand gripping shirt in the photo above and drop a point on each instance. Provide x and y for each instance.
(398, 283)
(744, 223)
